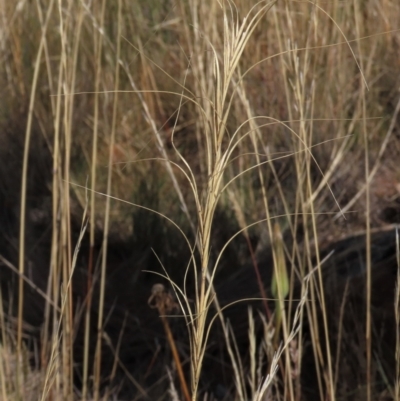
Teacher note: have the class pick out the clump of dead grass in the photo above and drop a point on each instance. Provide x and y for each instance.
(204, 98)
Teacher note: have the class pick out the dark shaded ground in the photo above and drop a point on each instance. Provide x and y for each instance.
(145, 353)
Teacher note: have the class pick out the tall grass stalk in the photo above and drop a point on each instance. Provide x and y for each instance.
(100, 321)
(296, 92)
(98, 45)
(235, 36)
(368, 323)
(53, 367)
(71, 60)
(22, 233)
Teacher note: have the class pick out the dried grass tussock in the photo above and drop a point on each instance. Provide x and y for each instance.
(199, 200)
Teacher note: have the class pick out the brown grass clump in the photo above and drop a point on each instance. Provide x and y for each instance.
(227, 152)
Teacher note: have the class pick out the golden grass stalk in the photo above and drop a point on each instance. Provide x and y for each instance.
(97, 366)
(368, 323)
(55, 367)
(28, 132)
(235, 36)
(98, 44)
